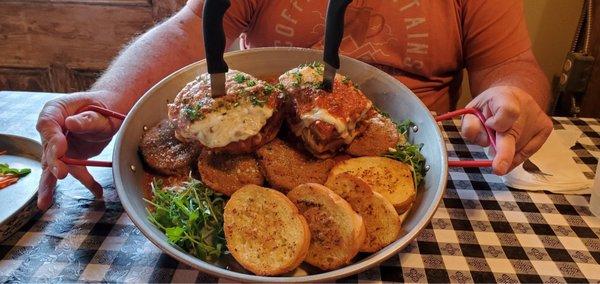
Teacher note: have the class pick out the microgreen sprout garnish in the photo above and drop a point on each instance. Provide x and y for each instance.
(191, 216)
(409, 153)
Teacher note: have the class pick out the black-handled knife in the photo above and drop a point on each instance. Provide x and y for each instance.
(334, 32)
(214, 44)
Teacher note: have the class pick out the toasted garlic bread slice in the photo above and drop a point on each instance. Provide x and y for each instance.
(337, 232)
(390, 178)
(381, 220)
(265, 232)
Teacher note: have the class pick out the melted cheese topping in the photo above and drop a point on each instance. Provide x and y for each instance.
(304, 77)
(319, 114)
(231, 118)
(344, 129)
(220, 128)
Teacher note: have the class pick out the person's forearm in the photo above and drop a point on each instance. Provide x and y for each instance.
(522, 72)
(149, 58)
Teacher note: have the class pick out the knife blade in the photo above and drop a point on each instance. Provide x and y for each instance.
(217, 85)
(328, 77)
(334, 32)
(214, 44)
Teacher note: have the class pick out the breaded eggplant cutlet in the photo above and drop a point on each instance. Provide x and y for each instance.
(164, 154)
(227, 173)
(285, 166)
(379, 136)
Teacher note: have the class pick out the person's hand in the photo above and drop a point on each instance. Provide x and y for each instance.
(88, 133)
(521, 125)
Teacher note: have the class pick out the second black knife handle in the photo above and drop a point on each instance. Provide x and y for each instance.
(334, 31)
(214, 35)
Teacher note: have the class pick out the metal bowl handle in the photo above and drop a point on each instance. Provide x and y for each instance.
(91, 163)
(490, 133)
(446, 116)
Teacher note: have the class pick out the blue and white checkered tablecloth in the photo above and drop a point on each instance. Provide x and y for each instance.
(482, 231)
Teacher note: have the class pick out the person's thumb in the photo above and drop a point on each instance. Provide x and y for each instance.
(472, 130)
(89, 122)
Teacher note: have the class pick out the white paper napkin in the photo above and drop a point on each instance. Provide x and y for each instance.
(554, 158)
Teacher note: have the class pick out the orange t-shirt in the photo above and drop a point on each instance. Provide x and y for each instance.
(423, 43)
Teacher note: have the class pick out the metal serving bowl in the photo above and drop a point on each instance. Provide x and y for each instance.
(387, 94)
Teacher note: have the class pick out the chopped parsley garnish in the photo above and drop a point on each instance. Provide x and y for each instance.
(251, 83)
(268, 89)
(409, 153)
(240, 78)
(193, 112)
(257, 101)
(191, 216)
(297, 78)
(190, 112)
(346, 80)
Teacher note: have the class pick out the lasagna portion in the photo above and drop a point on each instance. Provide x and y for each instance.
(324, 121)
(245, 118)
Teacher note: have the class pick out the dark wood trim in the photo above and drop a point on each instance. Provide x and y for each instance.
(590, 104)
(19, 78)
(162, 9)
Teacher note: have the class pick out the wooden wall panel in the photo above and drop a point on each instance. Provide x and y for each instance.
(146, 3)
(82, 36)
(63, 45)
